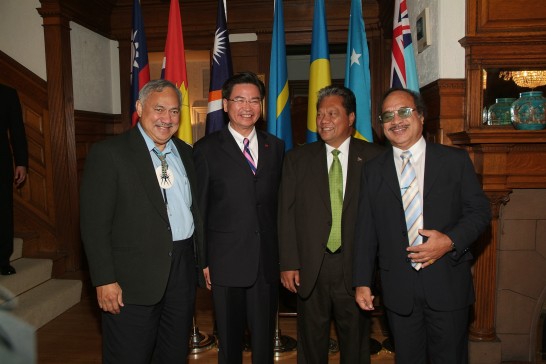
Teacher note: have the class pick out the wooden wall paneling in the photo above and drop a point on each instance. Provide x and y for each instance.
(92, 127)
(445, 109)
(500, 35)
(33, 203)
(62, 128)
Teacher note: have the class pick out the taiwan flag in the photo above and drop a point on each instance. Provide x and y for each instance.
(140, 69)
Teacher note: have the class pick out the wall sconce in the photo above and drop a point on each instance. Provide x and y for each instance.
(530, 79)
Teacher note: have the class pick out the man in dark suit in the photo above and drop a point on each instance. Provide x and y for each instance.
(319, 274)
(11, 122)
(238, 174)
(142, 233)
(421, 207)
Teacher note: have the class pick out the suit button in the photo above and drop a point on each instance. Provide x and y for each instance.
(168, 228)
(170, 254)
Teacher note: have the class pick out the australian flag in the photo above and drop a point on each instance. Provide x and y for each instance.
(140, 68)
(220, 70)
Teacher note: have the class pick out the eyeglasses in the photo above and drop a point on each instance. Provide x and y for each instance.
(240, 101)
(388, 116)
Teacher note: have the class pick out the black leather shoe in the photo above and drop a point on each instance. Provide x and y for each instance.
(7, 270)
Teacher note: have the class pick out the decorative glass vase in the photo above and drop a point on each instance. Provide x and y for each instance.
(527, 112)
(499, 112)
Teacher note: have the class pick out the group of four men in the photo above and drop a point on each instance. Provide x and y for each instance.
(234, 214)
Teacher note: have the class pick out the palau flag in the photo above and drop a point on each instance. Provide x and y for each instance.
(319, 71)
(174, 69)
(278, 102)
(140, 68)
(357, 72)
(220, 71)
(403, 68)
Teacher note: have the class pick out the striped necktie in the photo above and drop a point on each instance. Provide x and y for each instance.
(411, 200)
(335, 182)
(248, 156)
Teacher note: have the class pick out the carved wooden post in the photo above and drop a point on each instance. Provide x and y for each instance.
(482, 327)
(62, 139)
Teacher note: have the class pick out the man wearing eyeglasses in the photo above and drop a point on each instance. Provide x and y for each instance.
(238, 174)
(421, 208)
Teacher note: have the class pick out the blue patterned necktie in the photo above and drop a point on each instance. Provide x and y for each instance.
(248, 156)
(411, 200)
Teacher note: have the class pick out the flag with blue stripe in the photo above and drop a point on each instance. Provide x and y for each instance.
(278, 102)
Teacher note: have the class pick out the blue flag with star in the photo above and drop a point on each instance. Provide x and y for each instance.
(357, 72)
(220, 70)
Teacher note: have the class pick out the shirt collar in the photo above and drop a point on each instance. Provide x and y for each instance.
(169, 147)
(343, 148)
(417, 149)
(239, 138)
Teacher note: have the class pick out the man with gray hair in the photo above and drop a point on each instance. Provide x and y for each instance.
(142, 233)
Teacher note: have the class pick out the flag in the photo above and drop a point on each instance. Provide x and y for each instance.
(140, 68)
(319, 71)
(174, 69)
(278, 102)
(357, 71)
(403, 68)
(220, 71)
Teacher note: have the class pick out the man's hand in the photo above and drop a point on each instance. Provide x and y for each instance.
(110, 297)
(364, 298)
(207, 277)
(19, 175)
(437, 245)
(290, 279)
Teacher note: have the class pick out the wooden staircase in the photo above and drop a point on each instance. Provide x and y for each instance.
(39, 297)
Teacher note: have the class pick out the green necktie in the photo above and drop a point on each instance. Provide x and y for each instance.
(335, 181)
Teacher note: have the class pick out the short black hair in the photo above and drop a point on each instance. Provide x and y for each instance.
(239, 78)
(420, 106)
(349, 99)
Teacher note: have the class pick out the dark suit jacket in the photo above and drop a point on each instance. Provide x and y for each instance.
(124, 222)
(11, 121)
(305, 214)
(239, 208)
(454, 204)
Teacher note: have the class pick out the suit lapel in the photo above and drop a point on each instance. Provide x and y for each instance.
(389, 173)
(354, 165)
(145, 169)
(319, 173)
(433, 166)
(230, 147)
(264, 151)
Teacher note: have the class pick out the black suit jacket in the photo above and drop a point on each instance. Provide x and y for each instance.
(11, 122)
(124, 222)
(239, 208)
(454, 204)
(305, 214)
